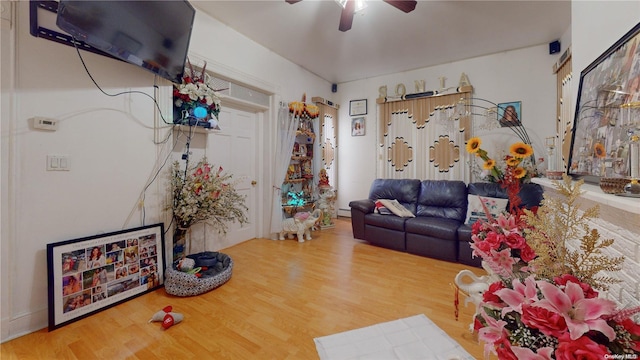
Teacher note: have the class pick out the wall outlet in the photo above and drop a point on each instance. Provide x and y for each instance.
(44, 123)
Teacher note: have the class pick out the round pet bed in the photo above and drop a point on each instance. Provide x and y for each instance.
(218, 271)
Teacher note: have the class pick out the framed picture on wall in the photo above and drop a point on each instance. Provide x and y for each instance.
(358, 107)
(91, 274)
(357, 126)
(510, 113)
(607, 112)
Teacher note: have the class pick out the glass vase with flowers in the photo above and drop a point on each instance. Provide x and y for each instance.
(202, 194)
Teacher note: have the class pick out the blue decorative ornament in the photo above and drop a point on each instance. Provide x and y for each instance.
(200, 112)
(296, 198)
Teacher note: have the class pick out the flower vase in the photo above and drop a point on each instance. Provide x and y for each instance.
(180, 240)
(473, 286)
(491, 277)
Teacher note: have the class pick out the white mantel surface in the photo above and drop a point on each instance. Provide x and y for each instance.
(594, 193)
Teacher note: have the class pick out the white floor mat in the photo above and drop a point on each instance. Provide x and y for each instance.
(415, 337)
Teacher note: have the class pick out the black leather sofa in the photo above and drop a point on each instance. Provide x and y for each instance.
(438, 229)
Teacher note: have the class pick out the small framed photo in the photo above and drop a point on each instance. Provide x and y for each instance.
(358, 107)
(510, 114)
(357, 126)
(91, 274)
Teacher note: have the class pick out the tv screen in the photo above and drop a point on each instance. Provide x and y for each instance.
(151, 34)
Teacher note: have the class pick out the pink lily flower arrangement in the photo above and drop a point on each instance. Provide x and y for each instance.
(527, 315)
(502, 245)
(563, 319)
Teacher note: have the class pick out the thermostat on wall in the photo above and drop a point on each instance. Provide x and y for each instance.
(44, 123)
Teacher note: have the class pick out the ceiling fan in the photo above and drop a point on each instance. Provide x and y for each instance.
(346, 17)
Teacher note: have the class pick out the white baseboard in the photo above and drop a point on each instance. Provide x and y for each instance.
(23, 325)
(344, 213)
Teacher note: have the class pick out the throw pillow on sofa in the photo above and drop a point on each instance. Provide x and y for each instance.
(394, 207)
(475, 210)
(381, 209)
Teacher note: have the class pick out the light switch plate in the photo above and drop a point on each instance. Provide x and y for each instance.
(58, 163)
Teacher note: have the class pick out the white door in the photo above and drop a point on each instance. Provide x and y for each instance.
(234, 148)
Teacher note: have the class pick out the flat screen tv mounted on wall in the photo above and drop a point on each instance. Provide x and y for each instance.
(154, 35)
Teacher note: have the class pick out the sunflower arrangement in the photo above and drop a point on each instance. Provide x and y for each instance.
(515, 163)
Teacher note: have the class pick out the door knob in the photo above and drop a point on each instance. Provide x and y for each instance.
(253, 183)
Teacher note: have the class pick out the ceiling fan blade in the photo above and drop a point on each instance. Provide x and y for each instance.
(346, 17)
(292, 1)
(406, 6)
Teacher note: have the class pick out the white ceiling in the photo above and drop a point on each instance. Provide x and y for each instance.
(383, 39)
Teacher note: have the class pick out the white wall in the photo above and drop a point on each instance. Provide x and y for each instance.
(519, 75)
(231, 54)
(596, 26)
(6, 80)
(110, 143)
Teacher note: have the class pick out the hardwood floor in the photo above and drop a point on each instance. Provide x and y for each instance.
(282, 295)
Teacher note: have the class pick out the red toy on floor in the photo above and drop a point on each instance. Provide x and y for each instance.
(167, 317)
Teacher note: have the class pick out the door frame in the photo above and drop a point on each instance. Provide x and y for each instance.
(267, 134)
(265, 138)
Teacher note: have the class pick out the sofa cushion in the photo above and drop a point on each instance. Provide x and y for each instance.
(530, 195)
(432, 247)
(464, 233)
(385, 221)
(404, 190)
(436, 227)
(390, 239)
(443, 199)
(477, 205)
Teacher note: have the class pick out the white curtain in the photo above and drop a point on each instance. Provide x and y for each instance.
(565, 126)
(287, 126)
(328, 146)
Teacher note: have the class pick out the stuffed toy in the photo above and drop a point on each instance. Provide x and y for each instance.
(185, 264)
(167, 317)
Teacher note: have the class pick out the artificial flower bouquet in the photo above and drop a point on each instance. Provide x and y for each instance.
(544, 304)
(202, 194)
(559, 319)
(194, 92)
(502, 245)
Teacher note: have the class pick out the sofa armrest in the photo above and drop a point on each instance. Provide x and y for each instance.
(366, 206)
(360, 208)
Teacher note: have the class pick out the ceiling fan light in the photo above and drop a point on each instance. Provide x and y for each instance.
(360, 4)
